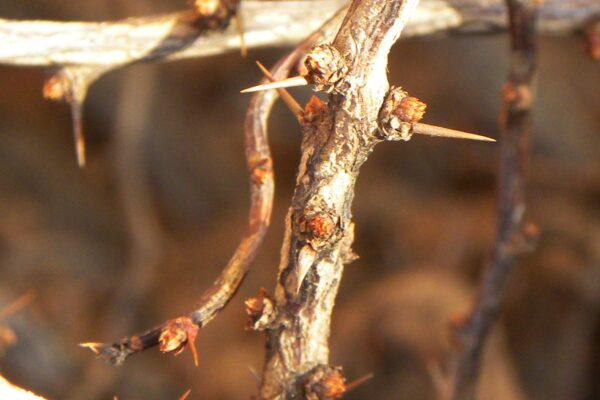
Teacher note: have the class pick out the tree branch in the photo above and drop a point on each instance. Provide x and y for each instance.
(216, 297)
(266, 23)
(337, 138)
(512, 235)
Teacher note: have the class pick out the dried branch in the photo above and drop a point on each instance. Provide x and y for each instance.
(513, 236)
(216, 297)
(86, 51)
(176, 333)
(266, 23)
(337, 138)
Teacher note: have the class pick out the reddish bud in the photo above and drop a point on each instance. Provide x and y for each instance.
(260, 310)
(176, 334)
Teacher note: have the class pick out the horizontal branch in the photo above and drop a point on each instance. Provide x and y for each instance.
(265, 23)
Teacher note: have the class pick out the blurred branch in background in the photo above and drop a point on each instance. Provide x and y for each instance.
(266, 23)
(513, 236)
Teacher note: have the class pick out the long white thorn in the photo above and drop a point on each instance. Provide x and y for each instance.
(438, 131)
(287, 98)
(289, 82)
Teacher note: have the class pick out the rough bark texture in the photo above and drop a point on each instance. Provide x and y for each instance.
(337, 138)
(266, 23)
(513, 236)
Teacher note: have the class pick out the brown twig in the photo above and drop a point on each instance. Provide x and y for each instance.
(513, 236)
(337, 139)
(216, 297)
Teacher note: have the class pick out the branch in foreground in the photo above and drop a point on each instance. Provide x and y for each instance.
(512, 237)
(174, 334)
(266, 23)
(337, 139)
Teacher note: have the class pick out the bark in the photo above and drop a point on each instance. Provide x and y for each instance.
(337, 138)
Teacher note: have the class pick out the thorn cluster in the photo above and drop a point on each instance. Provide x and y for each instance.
(399, 115)
(325, 68)
(399, 118)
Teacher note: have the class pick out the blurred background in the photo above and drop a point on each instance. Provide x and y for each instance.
(135, 237)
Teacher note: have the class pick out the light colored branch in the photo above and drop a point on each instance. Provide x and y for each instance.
(266, 23)
(337, 138)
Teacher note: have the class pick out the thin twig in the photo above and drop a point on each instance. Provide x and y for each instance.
(512, 235)
(261, 198)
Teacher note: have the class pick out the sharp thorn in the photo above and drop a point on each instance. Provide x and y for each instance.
(357, 382)
(289, 82)
(287, 98)
(240, 30)
(92, 346)
(438, 131)
(77, 121)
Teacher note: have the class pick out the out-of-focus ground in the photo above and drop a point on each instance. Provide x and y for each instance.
(135, 237)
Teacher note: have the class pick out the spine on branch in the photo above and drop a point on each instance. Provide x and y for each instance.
(337, 138)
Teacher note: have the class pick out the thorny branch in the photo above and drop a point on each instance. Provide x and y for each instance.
(513, 235)
(182, 330)
(86, 51)
(176, 333)
(337, 139)
(338, 136)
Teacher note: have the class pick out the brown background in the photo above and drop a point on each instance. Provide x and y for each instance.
(109, 252)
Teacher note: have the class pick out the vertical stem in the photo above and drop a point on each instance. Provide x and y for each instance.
(319, 230)
(515, 127)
